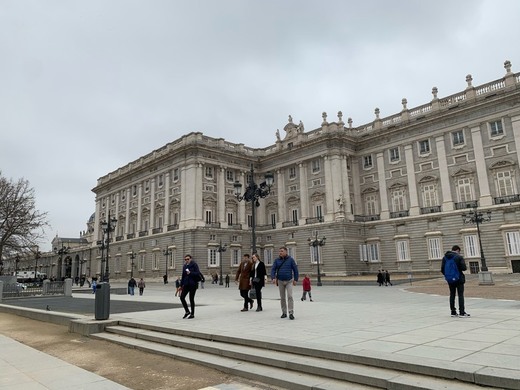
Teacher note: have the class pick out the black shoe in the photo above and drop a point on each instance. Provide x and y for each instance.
(191, 316)
(244, 309)
(291, 317)
(284, 315)
(186, 314)
(251, 302)
(464, 315)
(454, 314)
(258, 308)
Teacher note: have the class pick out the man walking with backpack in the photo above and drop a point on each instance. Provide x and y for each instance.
(452, 266)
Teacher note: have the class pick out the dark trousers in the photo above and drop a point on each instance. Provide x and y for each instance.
(245, 294)
(457, 288)
(185, 291)
(258, 289)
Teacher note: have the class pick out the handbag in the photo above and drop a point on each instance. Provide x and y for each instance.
(256, 280)
(252, 293)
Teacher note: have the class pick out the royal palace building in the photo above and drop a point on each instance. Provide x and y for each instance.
(392, 194)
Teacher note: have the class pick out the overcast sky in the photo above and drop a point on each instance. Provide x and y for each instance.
(88, 86)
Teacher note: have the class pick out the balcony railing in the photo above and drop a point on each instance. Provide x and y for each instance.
(309, 221)
(399, 214)
(212, 224)
(173, 227)
(506, 199)
(130, 235)
(431, 209)
(289, 223)
(143, 233)
(120, 238)
(367, 218)
(235, 226)
(157, 230)
(466, 205)
(266, 227)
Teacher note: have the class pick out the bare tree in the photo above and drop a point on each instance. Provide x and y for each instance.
(21, 225)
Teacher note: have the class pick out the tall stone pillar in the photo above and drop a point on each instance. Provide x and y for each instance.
(412, 182)
(480, 161)
(383, 194)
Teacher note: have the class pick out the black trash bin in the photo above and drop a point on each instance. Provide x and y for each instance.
(102, 304)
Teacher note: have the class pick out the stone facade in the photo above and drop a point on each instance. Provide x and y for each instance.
(389, 194)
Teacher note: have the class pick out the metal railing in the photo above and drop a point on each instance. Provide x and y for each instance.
(17, 290)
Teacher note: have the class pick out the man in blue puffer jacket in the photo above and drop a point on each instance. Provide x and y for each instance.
(284, 274)
(456, 287)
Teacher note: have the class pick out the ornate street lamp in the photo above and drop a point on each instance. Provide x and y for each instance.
(476, 217)
(252, 193)
(107, 226)
(221, 249)
(167, 253)
(316, 243)
(132, 258)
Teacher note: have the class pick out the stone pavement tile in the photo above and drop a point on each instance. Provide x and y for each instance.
(441, 353)
(406, 338)
(504, 349)
(382, 346)
(461, 344)
(493, 360)
(481, 336)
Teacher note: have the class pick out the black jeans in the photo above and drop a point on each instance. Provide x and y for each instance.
(258, 289)
(457, 288)
(245, 294)
(185, 291)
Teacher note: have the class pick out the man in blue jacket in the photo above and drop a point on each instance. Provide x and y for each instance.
(456, 287)
(284, 274)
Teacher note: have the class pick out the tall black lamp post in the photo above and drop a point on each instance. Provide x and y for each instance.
(316, 242)
(107, 226)
(221, 249)
(132, 258)
(252, 193)
(476, 217)
(167, 253)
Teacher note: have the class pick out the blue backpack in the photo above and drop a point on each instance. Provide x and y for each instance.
(451, 271)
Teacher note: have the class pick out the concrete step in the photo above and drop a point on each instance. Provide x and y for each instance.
(323, 372)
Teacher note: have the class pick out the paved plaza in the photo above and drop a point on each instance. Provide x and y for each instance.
(389, 321)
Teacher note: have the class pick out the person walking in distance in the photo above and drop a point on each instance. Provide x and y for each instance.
(131, 286)
(387, 279)
(258, 274)
(284, 274)
(141, 285)
(177, 286)
(242, 278)
(189, 282)
(306, 284)
(452, 268)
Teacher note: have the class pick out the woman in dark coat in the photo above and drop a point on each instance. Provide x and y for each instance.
(258, 274)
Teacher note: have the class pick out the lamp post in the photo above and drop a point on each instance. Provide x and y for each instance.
(102, 246)
(221, 249)
(108, 226)
(476, 217)
(167, 253)
(132, 258)
(16, 261)
(37, 255)
(252, 193)
(60, 252)
(316, 243)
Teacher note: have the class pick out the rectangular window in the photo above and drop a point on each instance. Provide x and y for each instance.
(209, 216)
(457, 138)
(403, 253)
(513, 243)
(496, 128)
(171, 261)
(176, 174)
(369, 252)
(160, 180)
(505, 183)
(318, 211)
(230, 175)
(212, 257)
(315, 166)
(268, 256)
(292, 172)
(434, 248)
(316, 182)
(394, 154)
(471, 248)
(370, 205)
(273, 220)
(249, 220)
(367, 162)
(230, 219)
(315, 257)
(293, 188)
(294, 214)
(424, 146)
(155, 260)
(398, 200)
(429, 195)
(209, 172)
(142, 261)
(235, 257)
(465, 192)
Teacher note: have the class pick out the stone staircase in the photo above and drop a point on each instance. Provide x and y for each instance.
(299, 367)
